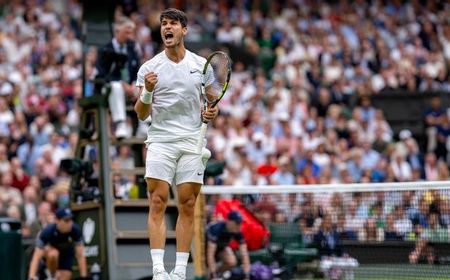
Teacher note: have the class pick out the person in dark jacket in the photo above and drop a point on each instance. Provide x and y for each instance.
(117, 64)
(334, 262)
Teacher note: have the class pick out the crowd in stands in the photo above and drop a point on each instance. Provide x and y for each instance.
(302, 114)
(40, 83)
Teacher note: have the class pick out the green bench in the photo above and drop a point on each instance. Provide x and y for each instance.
(289, 238)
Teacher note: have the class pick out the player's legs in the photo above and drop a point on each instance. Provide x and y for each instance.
(187, 195)
(52, 259)
(158, 191)
(228, 259)
(64, 275)
(160, 170)
(158, 195)
(189, 179)
(65, 266)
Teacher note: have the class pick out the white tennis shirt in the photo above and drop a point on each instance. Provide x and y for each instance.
(176, 106)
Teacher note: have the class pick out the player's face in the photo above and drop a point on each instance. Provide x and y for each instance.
(233, 227)
(124, 34)
(172, 32)
(64, 225)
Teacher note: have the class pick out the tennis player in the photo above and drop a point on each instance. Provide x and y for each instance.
(169, 85)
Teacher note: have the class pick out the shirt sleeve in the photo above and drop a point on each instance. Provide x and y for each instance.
(140, 82)
(43, 238)
(77, 235)
(211, 234)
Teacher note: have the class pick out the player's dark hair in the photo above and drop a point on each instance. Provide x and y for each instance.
(175, 14)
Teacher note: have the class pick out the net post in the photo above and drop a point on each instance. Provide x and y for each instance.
(199, 238)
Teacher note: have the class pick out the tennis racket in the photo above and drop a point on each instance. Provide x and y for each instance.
(215, 80)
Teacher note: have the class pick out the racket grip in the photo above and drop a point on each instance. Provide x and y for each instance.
(201, 139)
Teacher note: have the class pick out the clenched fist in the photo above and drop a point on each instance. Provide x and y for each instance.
(151, 79)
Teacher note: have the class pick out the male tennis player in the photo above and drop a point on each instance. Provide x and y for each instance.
(169, 86)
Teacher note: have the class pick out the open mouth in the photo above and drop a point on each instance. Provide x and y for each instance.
(168, 36)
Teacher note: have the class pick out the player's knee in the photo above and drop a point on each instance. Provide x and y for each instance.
(231, 261)
(158, 203)
(187, 206)
(52, 254)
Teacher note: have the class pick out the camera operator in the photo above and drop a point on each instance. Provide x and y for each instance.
(118, 63)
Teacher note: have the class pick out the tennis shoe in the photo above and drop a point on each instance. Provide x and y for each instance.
(176, 275)
(160, 275)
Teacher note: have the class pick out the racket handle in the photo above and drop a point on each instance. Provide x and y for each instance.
(201, 139)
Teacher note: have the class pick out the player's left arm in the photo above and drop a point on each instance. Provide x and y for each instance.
(211, 112)
(81, 259)
(79, 250)
(245, 259)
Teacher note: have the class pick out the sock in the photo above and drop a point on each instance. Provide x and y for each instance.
(157, 259)
(181, 262)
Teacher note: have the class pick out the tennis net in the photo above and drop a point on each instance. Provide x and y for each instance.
(341, 231)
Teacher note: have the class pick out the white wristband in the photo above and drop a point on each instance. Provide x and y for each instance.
(146, 96)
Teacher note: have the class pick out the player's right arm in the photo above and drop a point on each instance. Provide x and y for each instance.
(37, 255)
(39, 251)
(143, 106)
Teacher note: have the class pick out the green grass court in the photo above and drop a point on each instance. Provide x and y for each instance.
(400, 272)
(403, 272)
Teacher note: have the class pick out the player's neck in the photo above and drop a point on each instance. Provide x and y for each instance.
(176, 54)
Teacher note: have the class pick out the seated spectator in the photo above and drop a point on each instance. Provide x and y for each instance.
(428, 238)
(334, 263)
(8, 194)
(390, 232)
(443, 139)
(402, 223)
(432, 119)
(401, 168)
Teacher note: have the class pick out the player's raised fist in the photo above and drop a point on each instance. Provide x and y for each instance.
(151, 79)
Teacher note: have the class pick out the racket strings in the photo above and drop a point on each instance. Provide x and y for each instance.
(220, 66)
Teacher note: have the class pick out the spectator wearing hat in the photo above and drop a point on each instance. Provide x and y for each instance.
(218, 236)
(59, 243)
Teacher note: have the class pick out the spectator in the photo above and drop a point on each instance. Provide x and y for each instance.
(8, 194)
(334, 263)
(429, 237)
(443, 138)
(401, 168)
(390, 231)
(433, 116)
(118, 63)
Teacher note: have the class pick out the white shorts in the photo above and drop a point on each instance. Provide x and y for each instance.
(176, 162)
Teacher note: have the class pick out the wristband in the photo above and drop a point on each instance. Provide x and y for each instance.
(146, 96)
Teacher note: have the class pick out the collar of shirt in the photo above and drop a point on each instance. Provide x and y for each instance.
(119, 48)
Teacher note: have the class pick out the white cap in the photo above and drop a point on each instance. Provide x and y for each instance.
(283, 116)
(6, 89)
(405, 134)
(238, 142)
(258, 136)
(15, 77)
